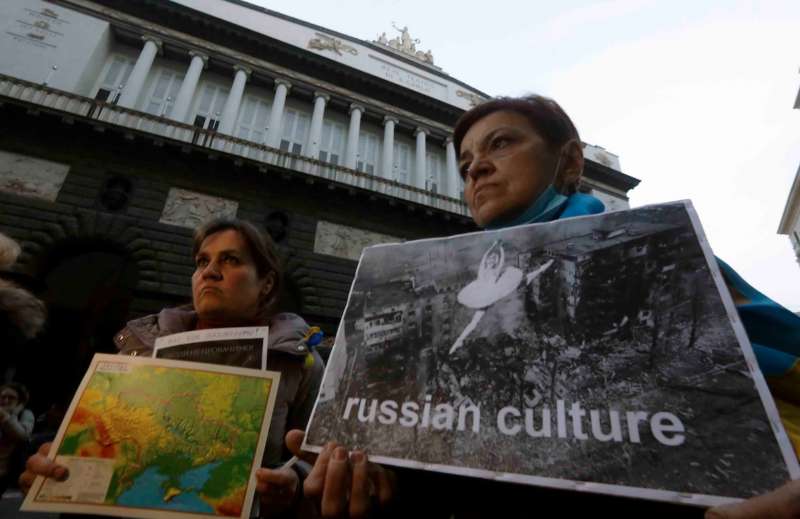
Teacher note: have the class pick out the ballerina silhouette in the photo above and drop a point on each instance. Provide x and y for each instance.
(492, 284)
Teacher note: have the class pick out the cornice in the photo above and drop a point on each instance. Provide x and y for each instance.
(134, 24)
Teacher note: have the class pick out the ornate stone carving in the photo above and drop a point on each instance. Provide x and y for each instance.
(189, 209)
(32, 177)
(474, 99)
(405, 44)
(346, 242)
(325, 42)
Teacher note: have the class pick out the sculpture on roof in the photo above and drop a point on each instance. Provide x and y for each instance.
(406, 44)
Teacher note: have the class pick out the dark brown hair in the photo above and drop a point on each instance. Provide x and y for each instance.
(544, 114)
(260, 247)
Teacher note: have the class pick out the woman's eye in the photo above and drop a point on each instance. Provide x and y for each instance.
(201, 262)
(232, 260)
(500, 142)
(462, 170)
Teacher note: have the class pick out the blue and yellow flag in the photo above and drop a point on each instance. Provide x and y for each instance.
(774, 333)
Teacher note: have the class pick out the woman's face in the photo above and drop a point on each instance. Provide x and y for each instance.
(505, 165)
(8, 398)
(225, 284)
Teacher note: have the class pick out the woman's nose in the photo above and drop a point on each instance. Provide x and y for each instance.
(212, 270)
(479, 167)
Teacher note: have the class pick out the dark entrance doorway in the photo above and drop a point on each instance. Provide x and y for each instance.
(89, 288)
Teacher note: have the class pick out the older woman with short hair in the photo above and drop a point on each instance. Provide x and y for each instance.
(236, 282)
(521, 161)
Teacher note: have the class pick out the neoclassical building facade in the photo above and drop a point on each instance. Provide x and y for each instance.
(130, 122)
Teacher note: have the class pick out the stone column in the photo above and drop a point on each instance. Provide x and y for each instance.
(315, 132)
(420, 175)
(353, 132)
(186, 92)
(282, 88)
(234, 100)
(451, 177)
(387, 162)
(130, 94)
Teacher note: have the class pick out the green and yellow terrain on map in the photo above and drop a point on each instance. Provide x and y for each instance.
(182, 439)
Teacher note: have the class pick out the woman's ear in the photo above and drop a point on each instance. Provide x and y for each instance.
(269, 284)
(569, 175)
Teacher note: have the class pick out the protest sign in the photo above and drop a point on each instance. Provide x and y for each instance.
(599, 353)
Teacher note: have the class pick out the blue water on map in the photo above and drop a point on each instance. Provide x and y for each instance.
(147, 490)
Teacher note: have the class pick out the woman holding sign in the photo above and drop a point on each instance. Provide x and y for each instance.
(521, 161)
(236, 282)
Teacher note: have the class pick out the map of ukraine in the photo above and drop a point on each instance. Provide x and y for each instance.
(181, 440)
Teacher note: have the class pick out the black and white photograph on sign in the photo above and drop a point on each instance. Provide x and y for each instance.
(243, 347)
(595, 349)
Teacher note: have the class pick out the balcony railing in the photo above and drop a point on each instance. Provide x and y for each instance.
(102, 112)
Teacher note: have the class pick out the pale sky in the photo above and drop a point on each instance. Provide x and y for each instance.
(695, 97)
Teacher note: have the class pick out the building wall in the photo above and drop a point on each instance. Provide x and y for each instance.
(794, 237)
(93, 158)
(86, 50)
(73, 42)
(612, 203)
(355, 54)
(790, 221)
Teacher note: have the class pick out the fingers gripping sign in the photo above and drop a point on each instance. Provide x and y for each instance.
(345, 484)
(40, 465)
(277, 488)
(783, 503)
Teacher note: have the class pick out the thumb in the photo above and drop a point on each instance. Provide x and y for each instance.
(294, 441)
(778, 504)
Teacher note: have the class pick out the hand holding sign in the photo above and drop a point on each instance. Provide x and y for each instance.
(783, 503)
(345, 485)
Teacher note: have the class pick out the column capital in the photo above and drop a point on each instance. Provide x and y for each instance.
(420, 129)
(448, 140)
(154, 39)
(242, 68)
(323, 95)
(284, 82)
(387, 118)
(202, 56)
(356, 106)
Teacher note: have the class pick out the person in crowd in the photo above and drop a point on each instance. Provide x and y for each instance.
(16, 426)
(236, 282)
(521, 161)
(22, 315)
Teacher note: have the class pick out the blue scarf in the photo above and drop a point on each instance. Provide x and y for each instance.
(552, 205)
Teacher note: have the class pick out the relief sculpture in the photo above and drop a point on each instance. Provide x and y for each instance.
(189, 209)
(31, 177)
(346, 242)
(325, 42)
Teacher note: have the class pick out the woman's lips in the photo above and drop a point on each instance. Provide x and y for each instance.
(481, 194)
